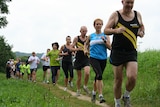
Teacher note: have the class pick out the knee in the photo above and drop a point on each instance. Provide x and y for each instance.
(132, 79)
(87, 73)
(33, 73)
(118, 82)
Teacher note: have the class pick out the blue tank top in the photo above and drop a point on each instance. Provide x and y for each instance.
(98, 48)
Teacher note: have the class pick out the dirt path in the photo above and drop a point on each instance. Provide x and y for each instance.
(83, 97)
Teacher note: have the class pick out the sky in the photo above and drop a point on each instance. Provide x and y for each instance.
(35, 24)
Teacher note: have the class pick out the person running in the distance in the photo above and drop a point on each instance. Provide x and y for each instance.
(8, 70)
(54, 62)
(33, 61)
(46, 67)
(66, 51)
(28, 70)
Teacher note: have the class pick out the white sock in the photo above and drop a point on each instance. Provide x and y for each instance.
(100, 95)
(117, 101)
(84, 86)
(93, 92)
(78, 90)
(126, 93)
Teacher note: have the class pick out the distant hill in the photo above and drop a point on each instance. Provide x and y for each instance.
(20, 54)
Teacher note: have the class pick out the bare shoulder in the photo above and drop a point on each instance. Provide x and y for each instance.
(114, 14)
(113, 19)
(139, 18)
(88, 38)
(62, 47)
(75, 40)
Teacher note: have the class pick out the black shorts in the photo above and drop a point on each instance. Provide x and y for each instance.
(34, 69)
(118, 57)
(45, 68)
(81, 63)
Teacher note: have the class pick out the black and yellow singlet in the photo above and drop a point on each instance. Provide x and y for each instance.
(80, 54)
(124, 45)
(128, 39)
(82, 60)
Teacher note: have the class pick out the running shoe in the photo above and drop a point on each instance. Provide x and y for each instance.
(102, 100)
(117, 105)
(65, 89)
(47, 82)
(86, 90)
(71, 84)
(126, 101)
(93, 98)
(54, 84)
(34, 81)
(78, 93)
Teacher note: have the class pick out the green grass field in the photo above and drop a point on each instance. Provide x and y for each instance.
(22, 93)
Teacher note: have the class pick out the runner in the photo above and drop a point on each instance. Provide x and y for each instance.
(46, 67)
(67, 52)
(98, 43)
(82, 60)
(33, 61)
(54, 62)
(125, 25)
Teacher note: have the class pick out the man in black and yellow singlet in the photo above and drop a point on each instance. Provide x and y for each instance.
(82, 60)
(125, 25)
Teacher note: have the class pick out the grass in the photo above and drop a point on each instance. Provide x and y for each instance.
(21, 93)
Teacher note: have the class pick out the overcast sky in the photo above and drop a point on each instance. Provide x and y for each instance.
(35, 24)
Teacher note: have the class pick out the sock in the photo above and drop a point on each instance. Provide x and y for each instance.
(84, 86)
(93, 92)
(126, 93)
(78, 90)
(100, 95)
(117, 101)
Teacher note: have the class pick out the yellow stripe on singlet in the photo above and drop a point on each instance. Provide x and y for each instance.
(80, 45)
(129, 34)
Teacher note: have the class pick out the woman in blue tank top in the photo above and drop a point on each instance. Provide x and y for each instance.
(98, 43)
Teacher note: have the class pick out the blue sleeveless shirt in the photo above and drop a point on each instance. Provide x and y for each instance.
(98, 48)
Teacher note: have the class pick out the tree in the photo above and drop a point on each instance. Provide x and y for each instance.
(5, 53)
(3, 10)
(5, 48)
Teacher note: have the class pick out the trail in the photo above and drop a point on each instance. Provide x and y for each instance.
(83, 97)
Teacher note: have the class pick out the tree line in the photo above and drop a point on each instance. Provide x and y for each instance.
(5, 49)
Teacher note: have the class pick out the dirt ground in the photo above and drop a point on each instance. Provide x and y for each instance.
(84, 97)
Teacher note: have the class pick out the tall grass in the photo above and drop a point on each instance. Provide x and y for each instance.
(15, 93)
(146, 92)
(21, 93)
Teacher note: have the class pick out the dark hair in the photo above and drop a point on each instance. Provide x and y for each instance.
(98, 19)
(68, 36)
(55, 43)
